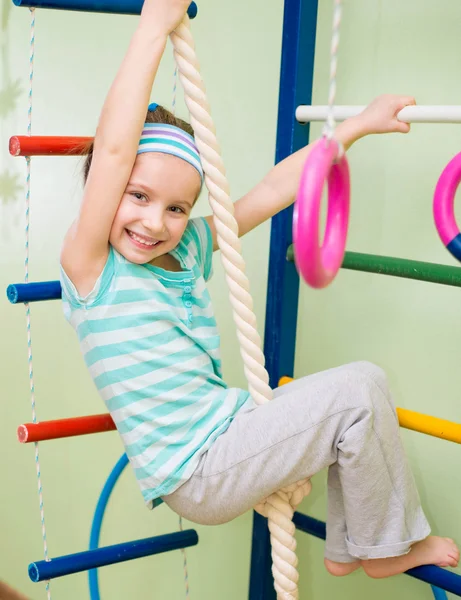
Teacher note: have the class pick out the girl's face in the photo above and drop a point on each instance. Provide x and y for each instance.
(155, 207)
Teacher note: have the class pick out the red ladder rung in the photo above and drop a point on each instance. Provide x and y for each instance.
(49, 145)
(62, 428)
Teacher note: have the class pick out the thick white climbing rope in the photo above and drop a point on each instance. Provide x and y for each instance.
(279, 507)
(26, 280)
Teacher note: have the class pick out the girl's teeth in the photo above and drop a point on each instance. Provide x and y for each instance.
(138, 239)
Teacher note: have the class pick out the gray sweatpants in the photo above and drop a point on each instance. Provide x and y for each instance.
(343, 419)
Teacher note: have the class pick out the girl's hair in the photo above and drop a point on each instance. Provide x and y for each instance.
(159, 115)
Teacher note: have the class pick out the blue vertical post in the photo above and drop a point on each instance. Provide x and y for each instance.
(296, 79)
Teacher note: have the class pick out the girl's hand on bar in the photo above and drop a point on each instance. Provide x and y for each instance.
(163, 16)
(380, 116)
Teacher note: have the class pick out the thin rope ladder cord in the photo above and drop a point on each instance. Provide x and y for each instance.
(181, 528)
(27, 306)
(330, 124)
(279, 507)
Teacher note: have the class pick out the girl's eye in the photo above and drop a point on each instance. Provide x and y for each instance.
(139, 196)
(176, 209)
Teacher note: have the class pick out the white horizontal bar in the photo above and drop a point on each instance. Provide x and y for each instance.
(410, 114)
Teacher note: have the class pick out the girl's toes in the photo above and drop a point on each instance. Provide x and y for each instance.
(452, 560)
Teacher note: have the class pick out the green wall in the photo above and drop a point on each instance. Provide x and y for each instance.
(409, 328)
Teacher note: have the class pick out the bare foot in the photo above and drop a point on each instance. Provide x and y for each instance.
(340, 569)
(434, 550)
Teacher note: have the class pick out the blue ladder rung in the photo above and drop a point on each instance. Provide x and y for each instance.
(33, 292)
(121, 7)
(442, 578)
(110, 555)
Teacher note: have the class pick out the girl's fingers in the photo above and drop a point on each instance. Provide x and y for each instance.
(402, 127)
(408, 101)
(403, 102)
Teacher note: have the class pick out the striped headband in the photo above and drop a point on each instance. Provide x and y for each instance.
(169, 139)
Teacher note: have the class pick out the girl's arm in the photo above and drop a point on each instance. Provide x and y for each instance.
(86, 245)
(8, 593)
(278, 189)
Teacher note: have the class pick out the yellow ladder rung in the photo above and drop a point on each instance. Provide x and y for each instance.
(441, 428)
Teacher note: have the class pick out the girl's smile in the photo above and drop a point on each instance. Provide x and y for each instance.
(142, 241)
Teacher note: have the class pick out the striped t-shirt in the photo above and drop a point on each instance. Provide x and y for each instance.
(150, 342)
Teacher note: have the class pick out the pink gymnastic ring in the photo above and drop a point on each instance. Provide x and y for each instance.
(444, 204)
(318, 264)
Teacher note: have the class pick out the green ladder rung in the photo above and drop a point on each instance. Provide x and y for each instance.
(398, 267)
